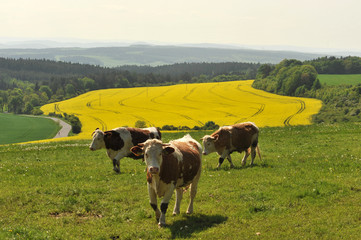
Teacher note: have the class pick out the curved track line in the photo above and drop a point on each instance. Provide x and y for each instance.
(121, 103)
(302, 108)
(286, 122)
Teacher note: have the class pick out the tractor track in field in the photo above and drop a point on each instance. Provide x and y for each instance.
(122, 104)
(302, 108)
(286, 122)
(227, 114)
(259, 110)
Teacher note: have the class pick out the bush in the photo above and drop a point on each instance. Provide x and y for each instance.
(140, 124)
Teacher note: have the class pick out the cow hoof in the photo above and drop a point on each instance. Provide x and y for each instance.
(232, 166)
(161, 225)
(176, 213)
(189, 212)
(116, 170)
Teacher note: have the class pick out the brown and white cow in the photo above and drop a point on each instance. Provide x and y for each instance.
(227, 139)
(171, 166)
(119, 141)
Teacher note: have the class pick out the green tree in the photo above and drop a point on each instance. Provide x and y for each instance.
(140, 124)
(46, 89)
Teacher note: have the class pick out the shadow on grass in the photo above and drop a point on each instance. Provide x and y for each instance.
(192, 224)
(228, 168)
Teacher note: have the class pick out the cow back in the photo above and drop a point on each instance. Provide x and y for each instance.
(242, 135)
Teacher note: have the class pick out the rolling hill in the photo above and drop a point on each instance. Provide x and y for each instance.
(154, 55)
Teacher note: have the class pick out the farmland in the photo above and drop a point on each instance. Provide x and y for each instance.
(337, 79)
(306, 187)
(185, 105)
(18, 128)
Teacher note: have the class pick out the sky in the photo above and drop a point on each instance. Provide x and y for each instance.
(331, 24)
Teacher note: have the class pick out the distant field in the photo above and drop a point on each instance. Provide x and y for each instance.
(188, 105)
(337, 79)
(18, 128)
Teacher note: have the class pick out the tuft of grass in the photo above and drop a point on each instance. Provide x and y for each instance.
(306, 187)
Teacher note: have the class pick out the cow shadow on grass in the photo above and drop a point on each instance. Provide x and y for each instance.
(239, 167)
(194, 223)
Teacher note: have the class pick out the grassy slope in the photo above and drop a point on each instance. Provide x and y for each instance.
(18, 128)
(337, 79)
(306, 187)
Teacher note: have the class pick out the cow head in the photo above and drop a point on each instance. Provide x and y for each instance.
(153, 150)
(98, 140)
(208, 144)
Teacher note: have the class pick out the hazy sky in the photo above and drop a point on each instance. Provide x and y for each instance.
(307, 23)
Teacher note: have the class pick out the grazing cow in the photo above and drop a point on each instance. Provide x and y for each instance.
(227, 139)
(176, 165)
(119, 141)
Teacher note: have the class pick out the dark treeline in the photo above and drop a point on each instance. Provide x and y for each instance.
(333, 65)
(296, 78)
(26, 84)
(180, 70)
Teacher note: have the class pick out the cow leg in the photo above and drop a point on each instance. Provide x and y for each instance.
(193, 193)
(179, 196)
(153, 202)
(253, 154)
(230, 160)
(164, 205)
(222, 157)
(246, 154)
(116, 166)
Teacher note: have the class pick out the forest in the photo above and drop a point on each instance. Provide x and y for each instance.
(341, 103)
(26, 84)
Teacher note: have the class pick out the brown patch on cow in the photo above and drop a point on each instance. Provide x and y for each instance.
(239, 135)
(242, 135)
(149, 176)
(113, 140)
(169, 170)
(189, 167)
(139, 135)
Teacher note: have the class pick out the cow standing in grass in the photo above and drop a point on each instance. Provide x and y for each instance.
(171, 166)
(227, 139)
(119, 141)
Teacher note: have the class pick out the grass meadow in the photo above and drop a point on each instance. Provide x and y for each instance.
(307, 186)
(188, 105)
(19, 128)
(337, 79)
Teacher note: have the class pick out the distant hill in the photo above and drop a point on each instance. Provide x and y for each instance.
(154, 55)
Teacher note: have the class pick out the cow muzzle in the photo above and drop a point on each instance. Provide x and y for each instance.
(154, 170)
(204, 153)
(91, 148)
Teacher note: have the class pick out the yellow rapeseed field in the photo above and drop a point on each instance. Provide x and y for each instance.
(189, 105)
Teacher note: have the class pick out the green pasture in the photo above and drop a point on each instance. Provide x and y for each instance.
(19, 128)
(337, 79)
(307, 186)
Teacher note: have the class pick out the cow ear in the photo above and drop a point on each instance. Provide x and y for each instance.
(215, 137)
(168, 150)
(137, 151)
